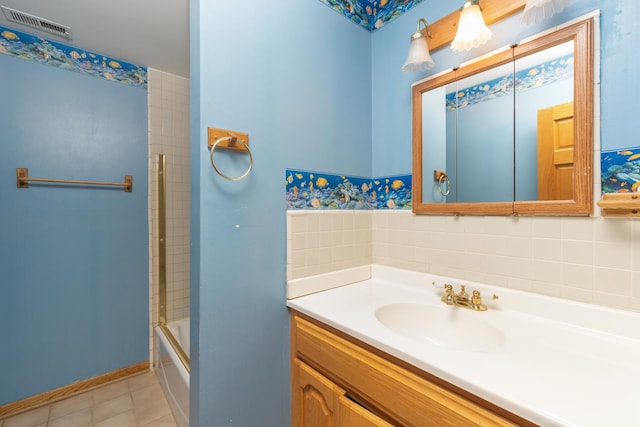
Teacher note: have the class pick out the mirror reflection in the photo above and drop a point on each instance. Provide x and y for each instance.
(500, 132)
(544, 124)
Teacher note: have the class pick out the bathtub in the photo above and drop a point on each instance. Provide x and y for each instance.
(171, 372)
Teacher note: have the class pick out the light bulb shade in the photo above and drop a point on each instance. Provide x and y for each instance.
(472, 31)
(536, 11)
(418, 58)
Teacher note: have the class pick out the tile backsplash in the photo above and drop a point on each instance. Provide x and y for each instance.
(593, 260)
(324, 241)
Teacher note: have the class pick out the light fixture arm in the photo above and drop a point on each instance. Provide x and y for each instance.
(421, 32)
(469, 3)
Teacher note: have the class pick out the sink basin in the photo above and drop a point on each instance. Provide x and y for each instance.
(452, 327)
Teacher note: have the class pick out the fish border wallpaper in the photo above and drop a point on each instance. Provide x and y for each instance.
(319, 190)
(59, 55)
(306, 190)
(621, 170)
(371, 14)
(548, 72)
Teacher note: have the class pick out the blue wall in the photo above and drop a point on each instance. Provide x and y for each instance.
(295, 75)
(315, 92)
(392, 88)
(74, 260)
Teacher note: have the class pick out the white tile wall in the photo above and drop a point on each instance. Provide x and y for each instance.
(594, 260)
(324, 241)
(169, 135)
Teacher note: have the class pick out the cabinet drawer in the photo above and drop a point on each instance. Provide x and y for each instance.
(401, 395)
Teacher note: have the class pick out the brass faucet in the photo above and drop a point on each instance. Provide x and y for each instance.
(461, 299)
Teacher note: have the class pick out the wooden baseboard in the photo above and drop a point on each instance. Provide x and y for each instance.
(64, 392)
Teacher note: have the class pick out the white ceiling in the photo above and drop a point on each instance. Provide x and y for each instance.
(151, 33)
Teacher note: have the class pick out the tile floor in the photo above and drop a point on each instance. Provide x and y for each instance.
(134, 402)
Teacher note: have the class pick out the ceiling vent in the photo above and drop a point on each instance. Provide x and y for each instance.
(36, 22)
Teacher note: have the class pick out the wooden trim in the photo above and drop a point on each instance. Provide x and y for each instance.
(582, 202)
(620, 205)
(444, 30)
(78, 387)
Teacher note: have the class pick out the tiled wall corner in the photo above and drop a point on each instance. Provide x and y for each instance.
(593, 260)
(324, 241)
(169, 135)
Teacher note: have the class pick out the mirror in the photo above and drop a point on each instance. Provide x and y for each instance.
(510, 133)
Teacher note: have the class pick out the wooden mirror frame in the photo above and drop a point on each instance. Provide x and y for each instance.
(582, 203)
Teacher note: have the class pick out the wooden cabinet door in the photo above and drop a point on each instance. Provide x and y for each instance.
(315, 398)
(318, 402)
(354, 415)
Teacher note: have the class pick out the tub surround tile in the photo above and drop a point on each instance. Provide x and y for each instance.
(168, 102)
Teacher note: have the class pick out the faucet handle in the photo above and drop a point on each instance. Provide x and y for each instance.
(476, 301)
(437, 285)
(448, 296)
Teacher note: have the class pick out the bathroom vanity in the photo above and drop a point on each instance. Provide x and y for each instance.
(388, 351)
(340, 381)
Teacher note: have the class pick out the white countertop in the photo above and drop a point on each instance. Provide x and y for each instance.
(562, 363)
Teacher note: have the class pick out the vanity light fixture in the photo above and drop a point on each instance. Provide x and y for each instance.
(418, 58)
(472, 31)
(538, 10)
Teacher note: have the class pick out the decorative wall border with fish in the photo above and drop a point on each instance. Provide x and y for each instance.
(371, 14)
(530, 78)
(621, 170)
(37, 49)
(318, 190)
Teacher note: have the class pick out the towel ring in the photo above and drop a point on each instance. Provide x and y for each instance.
(232, 139)
(444, 179)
